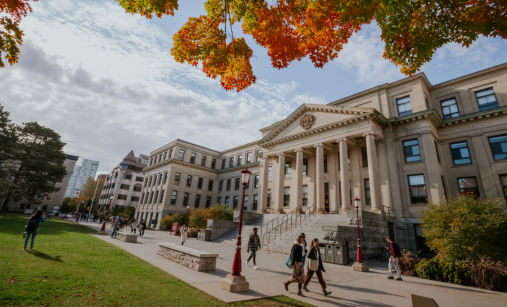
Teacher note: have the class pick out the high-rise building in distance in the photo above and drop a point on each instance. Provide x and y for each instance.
(81, 173)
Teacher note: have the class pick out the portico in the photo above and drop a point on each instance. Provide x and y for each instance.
(314, 157)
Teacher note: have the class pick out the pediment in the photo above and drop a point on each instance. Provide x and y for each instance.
(324, 116)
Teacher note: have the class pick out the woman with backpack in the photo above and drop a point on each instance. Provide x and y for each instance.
(32, 227)
(315, 266)
(298, 272)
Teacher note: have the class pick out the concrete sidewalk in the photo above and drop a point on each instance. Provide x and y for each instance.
(349, 288)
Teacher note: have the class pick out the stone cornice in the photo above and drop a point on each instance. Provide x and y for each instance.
(238, 167)
(176, 161)
(475, 116)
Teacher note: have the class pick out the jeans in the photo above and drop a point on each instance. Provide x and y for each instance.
(304, 260)
(252, 255)
(28, 235)
(394, 262)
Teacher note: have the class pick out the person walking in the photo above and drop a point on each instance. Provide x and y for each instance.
(304, 245)
(112, 223)
(115, 227)
(142, 227)
(394, 251)
(315, 266)
(133, 226)
(32, 228)
(254, 244)
(154, 223)
(184, 233)
(298, 272)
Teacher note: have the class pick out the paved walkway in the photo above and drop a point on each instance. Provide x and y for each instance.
(349, 288)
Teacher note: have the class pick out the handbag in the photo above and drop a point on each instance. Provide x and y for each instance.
(313, 265)
(288, 263)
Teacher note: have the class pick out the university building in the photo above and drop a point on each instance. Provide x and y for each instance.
(396, 146)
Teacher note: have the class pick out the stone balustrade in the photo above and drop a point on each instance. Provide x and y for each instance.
(192, 258)
(126, 237)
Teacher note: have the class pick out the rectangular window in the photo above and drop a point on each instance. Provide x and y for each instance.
(486, 99)
(249, 157)
(438, 153)
(270, 171)
(268, 201)
(325, 164)
(245, 202)
(367, 195)
(134, 198)
(182, 155)
(124, 186)
(404, 106)
(228, 187)
(197, 200)
(213, 163)
(460, 154)
(256, 181)
(156, 197)
(287, 169)
(165, 177)
(220, 186)
(236, 185)
(364, 153)
(165, 155)
(468, 186)
(151, 198)
(127, 176)
(235, 202)
(305, 167)
(170, 153)
(210, 185)
(449, 108)
(160, 179)
(219, 200)
(227, 201)
(203, 161)
(255, 201)
(151, 178)
(140, 179)
(189, 181)
(417, 189)
(305, 195)
(240, 159)
(223, 163)
(231, 162)
(412, 152)
(174, 196)
(192, 158)
(286, 197)
(427, 103)
(499, 147)
(503, 182)
(177, 178)
(142, 198)
(199, 183)
(137, 189)
(208, 201)
(444, 187)
(185, 199)
(161, 196)
(123, 197)
(258, 156)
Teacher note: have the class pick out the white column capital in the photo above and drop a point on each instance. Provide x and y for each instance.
(342, 140)
(298, 149)
(369, 133)
(318, 145)
(281, 154)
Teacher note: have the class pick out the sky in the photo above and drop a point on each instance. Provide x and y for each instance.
(106, 82)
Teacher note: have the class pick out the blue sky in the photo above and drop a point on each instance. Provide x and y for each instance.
(105, 80)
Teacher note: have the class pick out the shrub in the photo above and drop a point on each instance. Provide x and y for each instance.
(407, 262)
(437, 269)
(192, 232)
(464, 228)
(167, 221)
(199, 217)
(488, 274)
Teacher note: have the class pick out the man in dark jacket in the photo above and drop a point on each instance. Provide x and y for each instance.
(395, 253)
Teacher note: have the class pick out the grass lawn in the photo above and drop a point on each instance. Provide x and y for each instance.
(71, 268)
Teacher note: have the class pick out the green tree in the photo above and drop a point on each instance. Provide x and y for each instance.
(65, 205)
(466, 228)
(9, 144)
(39, 155)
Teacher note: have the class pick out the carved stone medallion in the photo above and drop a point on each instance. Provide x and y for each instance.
(307, 121)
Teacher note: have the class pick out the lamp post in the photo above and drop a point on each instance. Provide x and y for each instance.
(235, 282)
(359, 265)
(103, 229)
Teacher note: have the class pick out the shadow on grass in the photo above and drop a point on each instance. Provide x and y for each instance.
(46, 256)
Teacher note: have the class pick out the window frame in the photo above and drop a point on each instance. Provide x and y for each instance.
(255, 202)
(181, 157)
(186, 199)
(494, 94)
(177, 178)
(213, 163)
(174, 197)
(304, 200)
(235, 202)
(237, 183)
(240, 160)
(504, 188)
(193, 157)
(476, 182)
(410, 189)
(197, 201)
(286, 170)
(210, 185)
(367, 190)
(404, 103)
(286, 197)
(203, 161)
(452, 114)
(459, 149)
(200, 182)
(256, 181)
(325, 164)
(364, 156)
(189, 181)
(208, 201)
(228, 186)
(248, 157)
(405, 152)
(491, 147)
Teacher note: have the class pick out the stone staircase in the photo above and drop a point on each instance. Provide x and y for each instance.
(312, 229)
(232, 236)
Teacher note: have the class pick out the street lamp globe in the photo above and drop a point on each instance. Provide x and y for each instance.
(245, 176)
(356, 202)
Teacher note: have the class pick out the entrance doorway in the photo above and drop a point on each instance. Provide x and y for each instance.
(326, 196)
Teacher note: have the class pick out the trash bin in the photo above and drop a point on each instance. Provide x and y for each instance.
(322, 251)
(341, 254)
(330, 253)
(207, 235)
(201, 235)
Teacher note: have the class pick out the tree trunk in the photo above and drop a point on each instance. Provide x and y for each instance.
(3, 211)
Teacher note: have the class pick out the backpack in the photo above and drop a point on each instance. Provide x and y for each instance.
(397, 251)
(32, 225)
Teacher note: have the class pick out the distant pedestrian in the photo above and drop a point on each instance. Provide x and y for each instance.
(254, 244)
(315, 266)
(32, 228)
(133, 226)
(394, 251)
(116, 225)
(112, 223)
(154, 223)
(303, 245)
(101, 218)
(298, 272)
(142, 227)
(184, 233)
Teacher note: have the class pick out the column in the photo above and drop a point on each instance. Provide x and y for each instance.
(373, 170)
(333, 182)
(299, 177)
(319, 180)
(264, 174)
(488, 180)
(434, 180)
(344, 176)
(281, 177)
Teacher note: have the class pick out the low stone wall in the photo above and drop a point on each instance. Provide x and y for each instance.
(219, 228)
(248, 217)
(192, 258)
(126, 237)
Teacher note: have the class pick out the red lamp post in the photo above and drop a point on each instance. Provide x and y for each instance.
(236, 265)
(103, 229)
(359, 265)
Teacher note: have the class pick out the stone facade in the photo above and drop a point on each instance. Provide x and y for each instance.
(396, 146)
(194, 259)
(219, 228)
